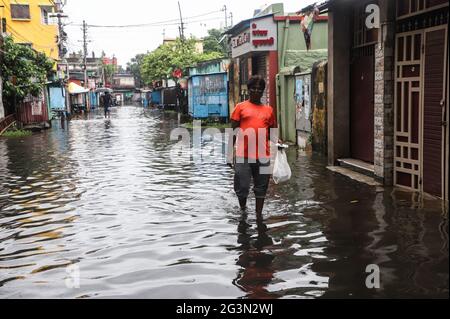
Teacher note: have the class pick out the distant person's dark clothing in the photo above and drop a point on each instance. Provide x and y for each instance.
(107, 102)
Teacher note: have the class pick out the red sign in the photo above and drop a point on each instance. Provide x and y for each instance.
(263, 42)
(177, 73)
(261, 33)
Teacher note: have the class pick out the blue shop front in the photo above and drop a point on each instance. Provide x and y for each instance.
(208, 90)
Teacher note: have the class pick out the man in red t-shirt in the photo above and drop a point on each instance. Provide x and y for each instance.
(252, 154)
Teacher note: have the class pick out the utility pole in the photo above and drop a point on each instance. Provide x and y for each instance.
(85, 53)
(231, 17)
(62, 37)
(178, 90)
(182, 24)
(226, 16)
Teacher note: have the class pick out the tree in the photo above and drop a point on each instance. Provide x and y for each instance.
(134, 67)
(24, 71)
(162, 62)
(109, 70)
(211, 42)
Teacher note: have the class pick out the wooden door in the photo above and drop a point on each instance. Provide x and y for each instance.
(420, 110)
(362, 108)
(434, 105)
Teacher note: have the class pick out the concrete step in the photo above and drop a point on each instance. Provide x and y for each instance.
(362, 178)
(357, 166)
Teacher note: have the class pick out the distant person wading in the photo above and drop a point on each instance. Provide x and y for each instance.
(107, 102)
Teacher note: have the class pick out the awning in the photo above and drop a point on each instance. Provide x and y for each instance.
(76, 89)
(103, 90)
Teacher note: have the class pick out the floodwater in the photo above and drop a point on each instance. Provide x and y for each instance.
(97, 209)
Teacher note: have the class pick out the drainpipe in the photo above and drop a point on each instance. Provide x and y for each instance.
(283, 89)
(285, 39)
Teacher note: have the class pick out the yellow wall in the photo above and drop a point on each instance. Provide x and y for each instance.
(42, 36)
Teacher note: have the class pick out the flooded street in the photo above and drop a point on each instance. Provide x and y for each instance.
(104, 196)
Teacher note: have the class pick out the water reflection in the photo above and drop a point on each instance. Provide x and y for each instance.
(257, 271)
(105, 195)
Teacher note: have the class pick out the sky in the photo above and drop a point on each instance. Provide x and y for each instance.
(125, 43)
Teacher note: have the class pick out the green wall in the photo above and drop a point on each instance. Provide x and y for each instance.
(292, 53)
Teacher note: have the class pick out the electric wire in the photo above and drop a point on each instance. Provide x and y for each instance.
(159, 23)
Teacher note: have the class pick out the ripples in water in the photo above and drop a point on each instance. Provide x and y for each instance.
(104, 196)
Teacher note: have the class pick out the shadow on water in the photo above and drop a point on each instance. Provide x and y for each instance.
(105, 195)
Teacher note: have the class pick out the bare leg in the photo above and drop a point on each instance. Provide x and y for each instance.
(243, 203)
(262, 228)
(259, 209)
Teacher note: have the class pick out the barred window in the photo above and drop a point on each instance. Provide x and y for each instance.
(46, 11)
(20, 11)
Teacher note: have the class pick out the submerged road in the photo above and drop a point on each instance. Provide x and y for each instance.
(96, 208)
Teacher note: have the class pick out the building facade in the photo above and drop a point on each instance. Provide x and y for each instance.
(254, 45)
(302, 43)
(388, 90)
(208, 90)
(29, 22)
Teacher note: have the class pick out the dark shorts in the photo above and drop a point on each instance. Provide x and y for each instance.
(244, 171)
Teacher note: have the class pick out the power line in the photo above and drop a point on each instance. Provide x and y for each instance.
(159, 23)
(162, 25)
(23, 38)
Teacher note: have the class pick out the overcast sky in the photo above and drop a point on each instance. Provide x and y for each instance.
(125, 43)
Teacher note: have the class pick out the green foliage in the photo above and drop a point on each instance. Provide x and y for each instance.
(211, 43)
(210, 56)
(17, 133)
(24, 71)
(110, 70)
(134, 67)
(168, 57)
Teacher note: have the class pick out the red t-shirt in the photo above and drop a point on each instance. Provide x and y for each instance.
(254, 119)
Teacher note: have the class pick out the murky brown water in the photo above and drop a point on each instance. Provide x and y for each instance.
(105, 196)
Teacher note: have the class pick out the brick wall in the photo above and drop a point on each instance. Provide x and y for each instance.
(384, 105)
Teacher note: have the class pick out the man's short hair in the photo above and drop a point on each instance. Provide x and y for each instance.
(256, 80)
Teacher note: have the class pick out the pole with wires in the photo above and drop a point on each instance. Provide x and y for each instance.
(178, 90)
(181, 23)
(226, 16)
(85, 53)
(62, 38)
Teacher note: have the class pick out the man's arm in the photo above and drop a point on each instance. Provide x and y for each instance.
(275, 137)
(234, 126)
(232, 143)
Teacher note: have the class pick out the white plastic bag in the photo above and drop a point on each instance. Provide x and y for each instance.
(281, 170)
